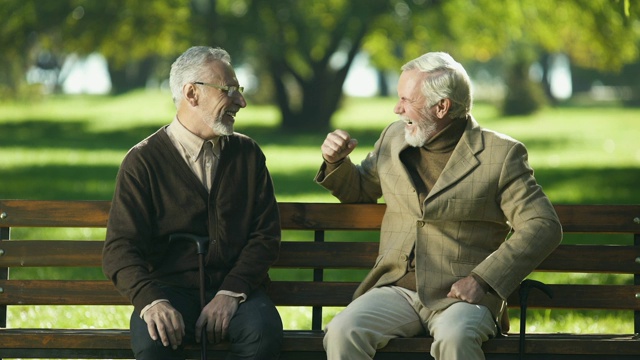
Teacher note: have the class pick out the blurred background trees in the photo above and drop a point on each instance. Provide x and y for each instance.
(300, 52)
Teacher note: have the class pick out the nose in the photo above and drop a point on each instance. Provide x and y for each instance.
(240, 100)
(398, 109)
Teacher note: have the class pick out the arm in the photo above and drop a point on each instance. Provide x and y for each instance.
(125, 258)
(536, 229)
(348, 182)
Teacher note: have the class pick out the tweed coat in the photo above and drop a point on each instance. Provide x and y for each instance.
(486, 214)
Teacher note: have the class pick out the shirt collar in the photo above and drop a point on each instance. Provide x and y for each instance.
(190, 142)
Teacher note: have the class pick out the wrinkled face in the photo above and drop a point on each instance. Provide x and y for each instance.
(420, 122)
(217, 109)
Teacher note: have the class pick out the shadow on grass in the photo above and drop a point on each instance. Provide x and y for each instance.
(590, 186)
(59, 182)
(74, 135)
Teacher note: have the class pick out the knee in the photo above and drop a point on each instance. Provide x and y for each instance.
(455, 336)
(147, 349)
(345, 333)
(263, 329)
(457, 342)
(340, 330)
(257, 335)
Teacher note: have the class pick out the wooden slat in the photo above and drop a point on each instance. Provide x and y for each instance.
(613, 297)
(328, 255)
(330, 216)
(60, 292)
(306, 293)
(41, 213)
(34, 253)
(599, 218)
(42, 253)
(303, 293)
(593, 259)
(311, 341)
(99, 292)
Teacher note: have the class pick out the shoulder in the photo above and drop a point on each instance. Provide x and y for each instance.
(240, 141)
(149, 148)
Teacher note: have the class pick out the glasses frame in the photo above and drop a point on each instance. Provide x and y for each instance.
(230, 90)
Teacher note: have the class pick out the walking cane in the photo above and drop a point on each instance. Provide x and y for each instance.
(202, 243)
(525, 287)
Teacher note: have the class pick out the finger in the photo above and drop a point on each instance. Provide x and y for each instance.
(178, 329)
(199, 324)
(335, 143)
(218, 331)
(163, 334)
(341, 134)
(211, 335)
(224, 330)
(171, 335)
(153, 333)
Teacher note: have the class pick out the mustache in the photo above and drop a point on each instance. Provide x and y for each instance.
(405, 119)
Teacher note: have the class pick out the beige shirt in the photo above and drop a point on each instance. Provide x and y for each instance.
(201, 156)
(201, 160)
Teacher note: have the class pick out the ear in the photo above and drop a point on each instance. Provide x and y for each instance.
(190, 93)
(442, 108)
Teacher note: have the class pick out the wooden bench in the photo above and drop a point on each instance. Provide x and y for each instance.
(318, 238)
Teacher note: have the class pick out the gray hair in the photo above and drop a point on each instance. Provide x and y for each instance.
(190, 67)
(447, 79)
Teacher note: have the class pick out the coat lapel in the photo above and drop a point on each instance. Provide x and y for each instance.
(463, 159)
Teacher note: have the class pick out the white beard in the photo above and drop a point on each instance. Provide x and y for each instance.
(421, 132)
(217, 124)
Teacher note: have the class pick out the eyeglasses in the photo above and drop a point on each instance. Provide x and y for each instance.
(230, 90)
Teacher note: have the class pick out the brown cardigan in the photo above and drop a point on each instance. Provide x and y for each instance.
(157, 195)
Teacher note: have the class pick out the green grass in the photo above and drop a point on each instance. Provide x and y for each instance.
(71, 147)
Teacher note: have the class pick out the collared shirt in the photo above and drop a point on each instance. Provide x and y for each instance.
(194, 151)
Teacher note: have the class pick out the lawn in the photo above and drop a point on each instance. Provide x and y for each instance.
(71, 147)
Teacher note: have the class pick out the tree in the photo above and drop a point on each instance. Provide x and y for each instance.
(306, 47)
(601, 34)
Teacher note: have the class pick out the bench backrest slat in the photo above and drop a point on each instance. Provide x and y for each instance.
(305, 293)
(329, 255)
(306, 216)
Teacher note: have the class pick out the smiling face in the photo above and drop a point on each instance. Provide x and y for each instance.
(216, 109)
(421, 123)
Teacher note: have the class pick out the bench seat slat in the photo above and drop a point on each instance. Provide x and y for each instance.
(311, 341)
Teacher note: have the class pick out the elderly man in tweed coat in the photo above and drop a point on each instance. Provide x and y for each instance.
(465, 221)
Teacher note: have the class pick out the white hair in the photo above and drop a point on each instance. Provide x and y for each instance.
(190, 67)
(447, 80)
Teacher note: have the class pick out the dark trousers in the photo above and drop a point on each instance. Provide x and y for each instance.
(255, 331)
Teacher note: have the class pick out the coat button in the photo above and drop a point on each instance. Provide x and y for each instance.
(404, 257)
(420, 223)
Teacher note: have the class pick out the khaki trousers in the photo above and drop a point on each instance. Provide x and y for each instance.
(381, 314)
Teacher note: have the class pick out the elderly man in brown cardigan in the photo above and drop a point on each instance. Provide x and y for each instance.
(465, 221)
